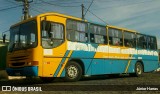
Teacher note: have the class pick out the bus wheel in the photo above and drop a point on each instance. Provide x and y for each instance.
(47, 79)
(138, 70)
(73, 71)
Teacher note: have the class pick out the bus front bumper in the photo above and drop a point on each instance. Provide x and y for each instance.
(25, 71)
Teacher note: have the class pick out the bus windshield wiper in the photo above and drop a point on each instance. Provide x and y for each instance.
(22, 45)
(12, 48)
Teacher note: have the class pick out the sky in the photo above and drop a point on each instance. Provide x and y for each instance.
(139, 15)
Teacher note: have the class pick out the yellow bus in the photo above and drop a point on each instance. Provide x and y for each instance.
(54, 45)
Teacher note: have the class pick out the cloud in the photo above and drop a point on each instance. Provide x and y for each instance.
(120, 13)
(139, 15)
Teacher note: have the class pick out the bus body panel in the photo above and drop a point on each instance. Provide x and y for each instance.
(25, 71)
(96, 58)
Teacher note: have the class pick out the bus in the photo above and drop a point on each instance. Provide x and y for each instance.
(52, 45)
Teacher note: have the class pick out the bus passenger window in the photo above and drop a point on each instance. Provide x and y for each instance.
(115, 37)
(98, 34)
(141, 41)
(152, 44)
(52, 35)
(76, 31)
(129, 39)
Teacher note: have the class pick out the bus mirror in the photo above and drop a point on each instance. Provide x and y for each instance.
(46, 25)
(43, 23)
(4, 38)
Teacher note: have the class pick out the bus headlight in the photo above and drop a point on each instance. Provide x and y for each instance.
(32, 63)
(29, 63)
(9, 65)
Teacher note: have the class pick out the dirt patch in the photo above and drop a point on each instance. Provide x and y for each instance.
(3, 75)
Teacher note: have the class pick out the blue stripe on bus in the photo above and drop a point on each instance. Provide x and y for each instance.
(62, 61)
(111, 66)
(81, 55)
(25, 71)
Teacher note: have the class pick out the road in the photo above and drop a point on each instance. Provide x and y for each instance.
(94, 84)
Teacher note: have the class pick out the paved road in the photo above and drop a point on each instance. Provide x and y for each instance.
(95, 84)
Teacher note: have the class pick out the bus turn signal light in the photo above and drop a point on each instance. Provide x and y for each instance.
(33, 63)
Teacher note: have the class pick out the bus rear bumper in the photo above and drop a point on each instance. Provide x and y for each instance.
(25, 71)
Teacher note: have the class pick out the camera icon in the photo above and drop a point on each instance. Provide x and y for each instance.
(6, 88)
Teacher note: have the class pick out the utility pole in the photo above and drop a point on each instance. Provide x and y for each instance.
(82, 6)
(25, 8)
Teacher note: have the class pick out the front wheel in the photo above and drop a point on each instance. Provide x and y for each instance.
(73, 71)
(138, 70)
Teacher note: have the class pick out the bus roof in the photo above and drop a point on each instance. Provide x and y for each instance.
(124, 29)
(24, 21)
(47, 14)
(59, 14)
(71, 17)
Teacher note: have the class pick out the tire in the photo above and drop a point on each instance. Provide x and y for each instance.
(138, 70)
(47, 79)
(73, 71)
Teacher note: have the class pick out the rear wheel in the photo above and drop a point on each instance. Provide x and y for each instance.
(138, 70)
(73, 71)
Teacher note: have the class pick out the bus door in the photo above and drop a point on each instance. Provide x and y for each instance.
(53, 44)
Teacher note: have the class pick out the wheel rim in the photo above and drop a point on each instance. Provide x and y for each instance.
(139, 69)
(72, 71)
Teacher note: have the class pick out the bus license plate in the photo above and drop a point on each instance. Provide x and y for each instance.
(17, 73)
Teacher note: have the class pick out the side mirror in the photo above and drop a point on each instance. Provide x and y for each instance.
(46, 25)
(4, 38)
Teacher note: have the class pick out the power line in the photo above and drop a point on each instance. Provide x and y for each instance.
(57, 4)
(35, 10)
(5, 31)
(71, 2)
(10, 8)
(97, 17)
(123, 5)
(89, 7)
(11, 1)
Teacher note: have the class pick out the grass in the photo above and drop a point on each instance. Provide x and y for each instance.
(3, 75)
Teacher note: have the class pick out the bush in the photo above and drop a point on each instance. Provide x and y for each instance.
(3, 74)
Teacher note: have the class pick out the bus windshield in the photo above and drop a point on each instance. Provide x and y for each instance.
(23, 36)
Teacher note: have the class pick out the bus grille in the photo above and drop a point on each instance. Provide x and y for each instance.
(18, 58)
(18, 64)
(18, 61)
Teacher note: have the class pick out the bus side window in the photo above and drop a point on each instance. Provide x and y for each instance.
(129, 39)
(76, 31)
(52, 35)
(98, 34)
(92, 39)
(152, 44)
(110, 40)
(115, 37)
(141, 41)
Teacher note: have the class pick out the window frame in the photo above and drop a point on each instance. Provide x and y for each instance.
(141, 41)
(155, 44)
(114, 37)
(50, 28)
(130, 40)
(75, 31)
(105, 36)
(19, 26)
